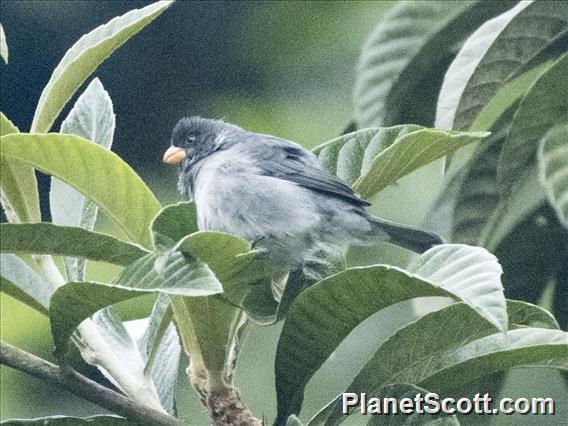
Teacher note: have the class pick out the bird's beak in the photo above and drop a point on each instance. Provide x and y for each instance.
(174, 155)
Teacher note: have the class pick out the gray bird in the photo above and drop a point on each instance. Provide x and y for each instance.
(274, 193)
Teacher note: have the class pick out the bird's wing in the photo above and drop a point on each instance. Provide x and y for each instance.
(288, 161)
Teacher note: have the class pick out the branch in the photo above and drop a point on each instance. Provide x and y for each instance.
(74, 382)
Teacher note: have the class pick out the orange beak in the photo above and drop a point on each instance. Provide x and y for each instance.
(174, 155)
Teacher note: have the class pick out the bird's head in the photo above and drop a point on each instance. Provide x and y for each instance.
(192, 140)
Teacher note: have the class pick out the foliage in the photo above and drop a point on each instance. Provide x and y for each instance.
(208, 285)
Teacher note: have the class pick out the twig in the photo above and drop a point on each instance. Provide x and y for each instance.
(74, 382)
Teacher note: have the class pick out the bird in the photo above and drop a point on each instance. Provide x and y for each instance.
(274, 193)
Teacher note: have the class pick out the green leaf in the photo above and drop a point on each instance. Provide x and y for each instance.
(402, 56)
(91, 118)
(553, 169)
(18, 184)
(98, 420)
(523, 313)
(493, 55)
(170, 273)
(498, 352)
(351, 155)
(544, 106)
(173, 223)
(325, 313)
(372, 159)
(479, 215)
(245, 274)
(3, 45)
(409, 153)
(212, 320)
(478, 195)
(414, 353)
(22, 283)
(405, 390)
(472, 273)
(46, 238)
(84, 57)
(95, 172)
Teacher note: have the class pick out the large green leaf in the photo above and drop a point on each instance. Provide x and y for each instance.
(212, 319)
(95, 172)
(525, 314)
(91, 118)
(46, 238)
(84, 57)
(229, 257)
(409, 153)
(173, 223)
(472, 273)
(475, 211)
(478, 195)
(553, 169)
(498, 352)
(3, 45)
(372, 159)
(168, 273)
(18, 184)
(544, 106)
(496, 53)
(22, 283)
(412, 354)
(406, 46)
(325, 313)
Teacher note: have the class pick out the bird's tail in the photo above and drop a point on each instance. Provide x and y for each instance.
(404, 236)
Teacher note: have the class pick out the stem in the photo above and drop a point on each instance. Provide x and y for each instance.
(87, 389)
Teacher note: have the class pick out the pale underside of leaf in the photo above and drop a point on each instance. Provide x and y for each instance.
(472, 273)
(22, 283)
(3, 45)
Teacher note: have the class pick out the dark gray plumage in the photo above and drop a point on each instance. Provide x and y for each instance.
(274, 192)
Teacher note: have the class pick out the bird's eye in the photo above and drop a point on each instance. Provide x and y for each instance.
(190, 140)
